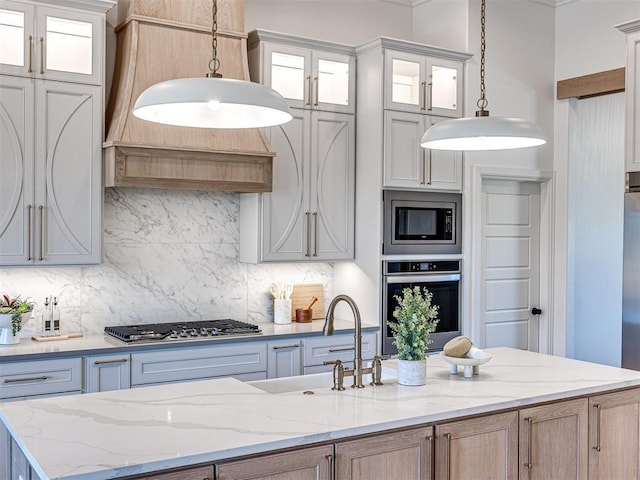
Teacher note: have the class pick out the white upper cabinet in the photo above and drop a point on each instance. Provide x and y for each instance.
(51, 43)
(632, 90)
(308, 74)
(423, 84)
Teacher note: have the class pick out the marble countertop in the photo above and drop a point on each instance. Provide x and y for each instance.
(28, 349)
(113, 434)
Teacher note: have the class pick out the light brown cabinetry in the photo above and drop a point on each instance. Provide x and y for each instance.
(308, 464)
(480, 448)
(199, 473)
(404, 455)
(614, 435)
(554, 441)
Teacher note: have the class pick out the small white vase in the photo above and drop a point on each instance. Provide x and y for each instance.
(412, 372)
(6, 333)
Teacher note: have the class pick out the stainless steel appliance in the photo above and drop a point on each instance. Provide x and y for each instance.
(631, 275)
(440, 277)
(421, 222)
(200, 329)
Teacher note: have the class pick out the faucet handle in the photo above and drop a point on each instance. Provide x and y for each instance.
(338, 374)
(376, 370)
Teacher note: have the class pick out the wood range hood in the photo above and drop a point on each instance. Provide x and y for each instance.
(161, 40)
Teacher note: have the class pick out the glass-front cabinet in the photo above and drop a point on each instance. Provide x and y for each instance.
(423, 84)
(50, 43)
(309, 76)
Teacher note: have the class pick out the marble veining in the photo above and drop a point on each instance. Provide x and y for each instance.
(167, 254)
(111, 434)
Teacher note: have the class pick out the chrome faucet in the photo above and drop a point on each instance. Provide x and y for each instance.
(358, 371)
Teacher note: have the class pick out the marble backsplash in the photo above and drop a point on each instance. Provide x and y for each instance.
(168, 255)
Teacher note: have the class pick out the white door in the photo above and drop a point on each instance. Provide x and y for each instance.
(510, 263)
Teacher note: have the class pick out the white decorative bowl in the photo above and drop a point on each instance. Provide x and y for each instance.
(471, 365)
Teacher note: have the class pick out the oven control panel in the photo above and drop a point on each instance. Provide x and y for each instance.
(407, 266)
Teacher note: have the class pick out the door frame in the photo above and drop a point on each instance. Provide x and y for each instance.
(472, 244)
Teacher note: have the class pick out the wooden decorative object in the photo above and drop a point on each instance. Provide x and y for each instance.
(301, 296)
(161, 40)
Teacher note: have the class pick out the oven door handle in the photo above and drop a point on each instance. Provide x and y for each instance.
(391, 279)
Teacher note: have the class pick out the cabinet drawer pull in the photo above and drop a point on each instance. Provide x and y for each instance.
(30, 53)
(330, 462)
(344, 349)
(308, 220)
(308, 102)
(598, 408)
(28, 379)
(41, 208)
(29, 229)
(317, 235)
(529, 465)
(41, 56)
(284, 347)
(447, 436)
(105, 362)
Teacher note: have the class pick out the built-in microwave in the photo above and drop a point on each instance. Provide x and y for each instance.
(422, 222)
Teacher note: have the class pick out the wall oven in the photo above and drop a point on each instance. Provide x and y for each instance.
(440, 277)
(422, 222)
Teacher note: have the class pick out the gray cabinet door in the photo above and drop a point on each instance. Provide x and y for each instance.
(107, 372)
(68, 173)
(284, 358)
(17, 167)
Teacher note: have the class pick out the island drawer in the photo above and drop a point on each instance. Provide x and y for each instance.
(196, 363)
(40, 377)
(337, 347)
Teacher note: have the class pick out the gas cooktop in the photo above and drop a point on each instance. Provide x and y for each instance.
(182, 330)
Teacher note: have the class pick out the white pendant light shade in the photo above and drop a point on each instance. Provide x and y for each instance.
(211, 102)
(482, 133)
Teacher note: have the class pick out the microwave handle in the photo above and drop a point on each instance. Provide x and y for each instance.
(448, 222)
(428, 278)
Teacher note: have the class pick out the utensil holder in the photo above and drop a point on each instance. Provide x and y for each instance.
(304, 315)
(281, 312)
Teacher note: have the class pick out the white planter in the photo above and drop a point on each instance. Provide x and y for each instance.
(412, 372)
(6, 334)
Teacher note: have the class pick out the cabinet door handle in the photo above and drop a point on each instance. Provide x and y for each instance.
(447, 436)
(529, 465)
(29, 231)
(430, 167)
(308, 220)
(317, 80)
(423, 103)
(430, 96)
(317, 235)
(105, 362)
(284, 347)
(423, 174)
(430, 453)
(41, 208)
(345, 349)
(308, 102)
(598, 408)
(330, 462)
(28, 379)
(30, 54)
(41, 55)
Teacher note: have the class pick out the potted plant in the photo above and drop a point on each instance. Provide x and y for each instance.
(417, 319)
(13, 313)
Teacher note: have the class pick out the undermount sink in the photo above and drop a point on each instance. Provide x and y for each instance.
(311, 382)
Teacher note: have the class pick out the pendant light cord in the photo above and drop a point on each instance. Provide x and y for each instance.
(482, 102)
(214, 63)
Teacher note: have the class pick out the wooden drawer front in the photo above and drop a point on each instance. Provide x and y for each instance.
(337, 347)
(200, 362)
(23, 379)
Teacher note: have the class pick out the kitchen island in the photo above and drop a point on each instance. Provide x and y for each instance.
(214, 422)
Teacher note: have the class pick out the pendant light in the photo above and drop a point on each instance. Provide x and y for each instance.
(482, 132)
(212, 101)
